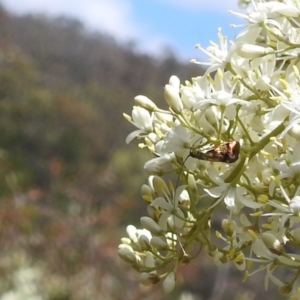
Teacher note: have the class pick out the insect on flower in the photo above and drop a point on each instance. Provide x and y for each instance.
(226, 152)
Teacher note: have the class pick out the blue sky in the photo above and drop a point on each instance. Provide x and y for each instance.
(152, 24)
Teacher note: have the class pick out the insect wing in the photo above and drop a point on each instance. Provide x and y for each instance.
(226, 152)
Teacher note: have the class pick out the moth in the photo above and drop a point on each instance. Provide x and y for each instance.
(226, 152)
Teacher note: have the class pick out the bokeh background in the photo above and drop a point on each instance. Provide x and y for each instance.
(69, 185)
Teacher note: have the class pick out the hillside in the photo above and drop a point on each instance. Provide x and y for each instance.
(68, 181)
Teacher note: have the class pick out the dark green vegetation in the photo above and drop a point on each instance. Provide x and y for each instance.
(67, 179)
(68, 182)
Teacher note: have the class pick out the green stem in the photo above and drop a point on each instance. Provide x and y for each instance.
(245, 131)
(264, 141)
(239, 169)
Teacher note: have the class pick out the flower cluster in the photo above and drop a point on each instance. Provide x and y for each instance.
(232, 137)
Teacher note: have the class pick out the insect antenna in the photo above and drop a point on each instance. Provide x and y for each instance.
(184, 161)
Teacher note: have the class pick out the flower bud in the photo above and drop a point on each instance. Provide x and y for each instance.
(184, 198)
(159, 243)
(150, 225)
(227, 227)
(272, 243)
(160, 186)
(175, 82)
(262, 198)
(192, 183)
(241, 263)
(125, 240)
(172, 97)
(145, 102)
(169, 283)
(146, 193)
(126, 253)
(295, 131)
(210, 116)
(132, 233)
(152, 212)
(144, 242)
(296, 235)
(295, 204)
(251, 51)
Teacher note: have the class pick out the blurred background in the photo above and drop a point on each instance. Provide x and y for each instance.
(69, 185)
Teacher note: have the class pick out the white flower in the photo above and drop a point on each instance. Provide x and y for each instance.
(294, 107)
(177, 140)
(142, 119)
(218, 54)
(221, 96)
(260, 249)
(292, 168)
(171, 214)
(263, 70)
(286, 211)
(232, 195)
(159, 165)
(224, 101)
